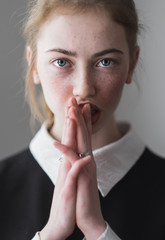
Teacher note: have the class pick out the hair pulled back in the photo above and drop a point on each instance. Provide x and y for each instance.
(121, 11)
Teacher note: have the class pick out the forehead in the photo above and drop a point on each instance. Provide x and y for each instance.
(87, 31)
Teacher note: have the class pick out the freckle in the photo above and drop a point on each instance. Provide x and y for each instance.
(95, 37)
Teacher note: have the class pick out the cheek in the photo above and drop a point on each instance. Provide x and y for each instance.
(112, 87)
(54, 89)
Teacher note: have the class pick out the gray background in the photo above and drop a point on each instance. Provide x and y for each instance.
(144, 108)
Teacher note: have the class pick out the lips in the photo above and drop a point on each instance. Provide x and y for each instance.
(95, 111)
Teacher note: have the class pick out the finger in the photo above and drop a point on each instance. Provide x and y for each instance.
(67, 152)
(83, 143)
(65, 126)
(70, 185)
(75, 170)
(70, 134)
(85, 115)
(86, 111)
(69, 140)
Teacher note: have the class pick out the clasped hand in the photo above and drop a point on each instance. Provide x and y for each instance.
(76, 198)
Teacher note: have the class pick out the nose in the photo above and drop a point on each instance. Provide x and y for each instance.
(84, 84)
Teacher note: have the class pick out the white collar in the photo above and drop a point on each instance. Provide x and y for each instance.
(113, 161)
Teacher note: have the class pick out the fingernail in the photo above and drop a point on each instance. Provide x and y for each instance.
(89, 108)
(68, 121)
(70, 102)
(74, 101)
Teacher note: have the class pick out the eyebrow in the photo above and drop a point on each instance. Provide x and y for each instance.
(74, 54)
(106, 51)
(63, 51)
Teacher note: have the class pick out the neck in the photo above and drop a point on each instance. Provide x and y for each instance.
(107, 135)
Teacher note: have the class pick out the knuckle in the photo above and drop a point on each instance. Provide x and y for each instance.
(64, 197)
(67, 151)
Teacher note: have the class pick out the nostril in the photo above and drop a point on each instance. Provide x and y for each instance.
(84, 89)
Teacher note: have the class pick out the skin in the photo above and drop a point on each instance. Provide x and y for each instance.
(93, 68)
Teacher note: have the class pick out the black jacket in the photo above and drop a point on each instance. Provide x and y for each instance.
(134, 208)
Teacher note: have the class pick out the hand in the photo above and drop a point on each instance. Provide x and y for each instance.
(63, 210)
(88, 212)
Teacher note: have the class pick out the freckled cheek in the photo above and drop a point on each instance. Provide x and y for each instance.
(112, 90)
(56, 91)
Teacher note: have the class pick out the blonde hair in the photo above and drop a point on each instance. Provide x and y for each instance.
(121, 11)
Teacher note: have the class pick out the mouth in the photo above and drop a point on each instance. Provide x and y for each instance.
(95, 112)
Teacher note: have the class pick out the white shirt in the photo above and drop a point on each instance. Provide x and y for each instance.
(113, 161)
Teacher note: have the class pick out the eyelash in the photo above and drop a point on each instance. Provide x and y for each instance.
(67, 62)
(112, 62)
(60, 59)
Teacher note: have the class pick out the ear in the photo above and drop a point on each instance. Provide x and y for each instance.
(29, 59)
(29, 55)
(36, 78)
(133, 63)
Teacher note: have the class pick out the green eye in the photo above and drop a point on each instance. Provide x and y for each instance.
(106, 62)
(60, 63)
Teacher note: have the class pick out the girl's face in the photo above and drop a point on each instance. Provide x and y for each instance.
(85, 56)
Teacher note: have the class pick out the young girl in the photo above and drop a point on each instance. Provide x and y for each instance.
(108, 186)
